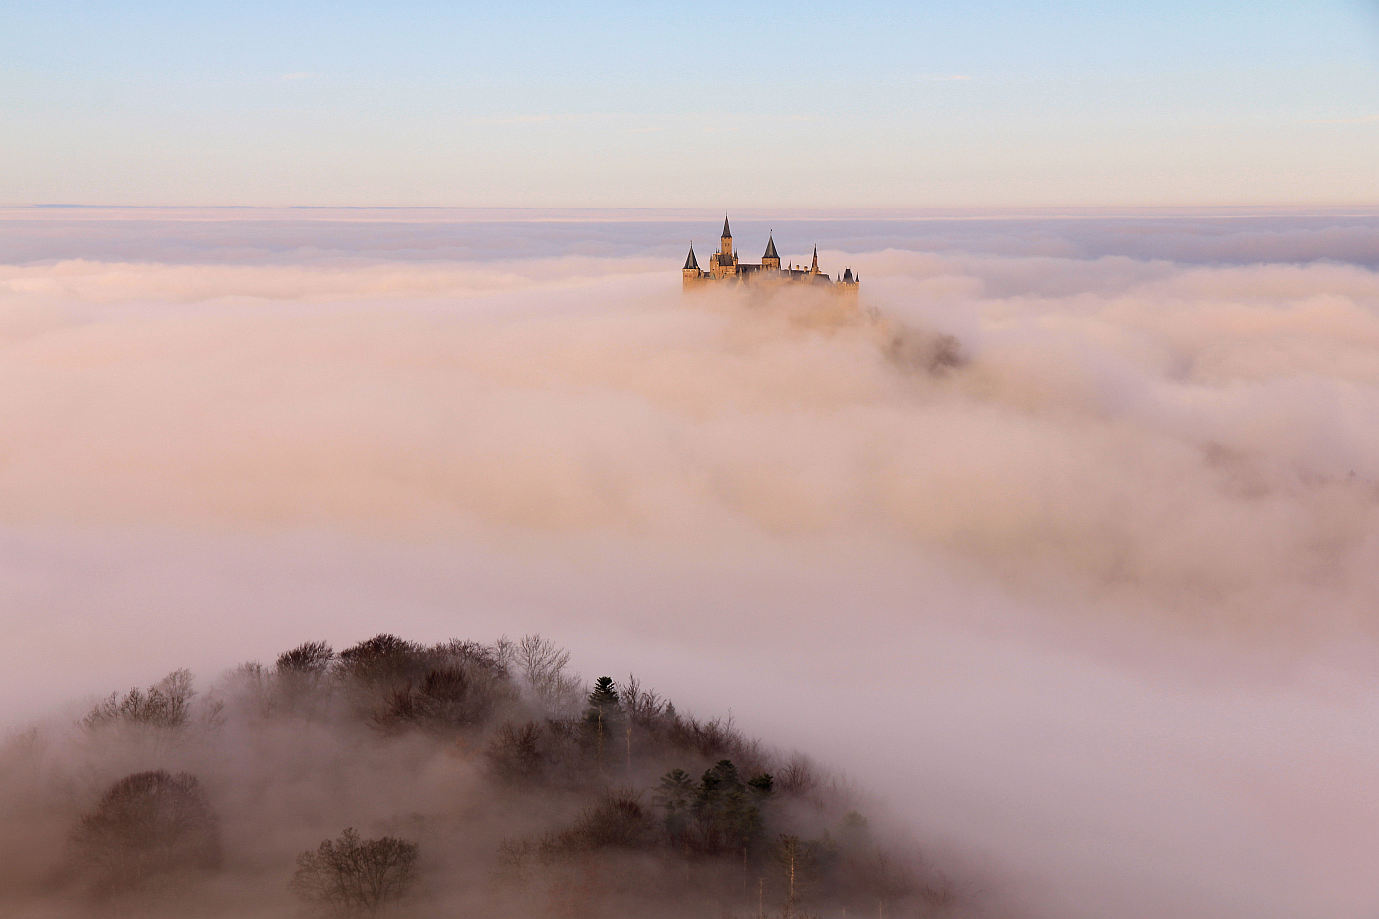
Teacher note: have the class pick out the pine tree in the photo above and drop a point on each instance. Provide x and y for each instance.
(675, 795)
(604, 694)
(603, 707)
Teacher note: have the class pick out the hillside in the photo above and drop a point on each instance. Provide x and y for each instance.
(453, 779)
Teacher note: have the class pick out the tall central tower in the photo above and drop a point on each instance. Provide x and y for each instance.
(723, 263)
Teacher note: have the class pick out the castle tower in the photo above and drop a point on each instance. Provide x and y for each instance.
(770, 261)
(814, 265)
(691, 275)
(723, 263)
(849, 283)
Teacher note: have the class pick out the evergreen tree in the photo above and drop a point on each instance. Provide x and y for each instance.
(604, 695)
(725, 809)
(603, 708)
(675, 794)
(715, 784)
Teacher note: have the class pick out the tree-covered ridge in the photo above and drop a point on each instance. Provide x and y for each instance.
(394, 775)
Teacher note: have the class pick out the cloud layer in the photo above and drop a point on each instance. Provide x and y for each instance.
(1112, 563)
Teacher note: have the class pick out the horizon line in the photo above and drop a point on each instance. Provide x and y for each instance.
(918, 212)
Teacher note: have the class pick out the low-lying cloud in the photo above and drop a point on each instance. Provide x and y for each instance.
(1097, 511)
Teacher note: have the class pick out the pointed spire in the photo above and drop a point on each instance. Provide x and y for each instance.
(727, 231)
(691, 262)
(771, 248)
(814, 265)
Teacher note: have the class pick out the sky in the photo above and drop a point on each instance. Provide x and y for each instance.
(868, 104)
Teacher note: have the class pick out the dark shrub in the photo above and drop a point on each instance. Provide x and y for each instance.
(617, 821)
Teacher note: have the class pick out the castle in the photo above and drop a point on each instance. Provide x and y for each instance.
(724, 266)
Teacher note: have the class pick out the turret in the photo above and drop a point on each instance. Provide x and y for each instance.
(814, 265)
(770, 261)
(727, 239)
(691, 274)
(848, 285)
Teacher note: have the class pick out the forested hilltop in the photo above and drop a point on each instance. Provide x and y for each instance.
(395, 778)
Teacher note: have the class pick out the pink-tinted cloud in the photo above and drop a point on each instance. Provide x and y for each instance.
(1109, 580)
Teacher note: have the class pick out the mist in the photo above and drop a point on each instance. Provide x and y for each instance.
(1062, 543)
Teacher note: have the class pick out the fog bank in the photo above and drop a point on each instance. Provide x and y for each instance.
(1112, 572)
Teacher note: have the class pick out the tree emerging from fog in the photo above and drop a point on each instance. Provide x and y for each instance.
(532, 793)
(350, 876)
(165, 704)
(147, 827)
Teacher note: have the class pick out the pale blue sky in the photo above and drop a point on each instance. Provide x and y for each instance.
(649, 104)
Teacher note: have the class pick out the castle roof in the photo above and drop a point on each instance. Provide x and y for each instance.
(691, 262)
(726, 230)
(771, 247)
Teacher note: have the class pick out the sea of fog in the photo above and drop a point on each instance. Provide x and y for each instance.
(1063, 542)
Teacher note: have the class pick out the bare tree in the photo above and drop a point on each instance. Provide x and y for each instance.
(147, 825)
(617, 821)
(643, 705)
(382, 660)
(349, 876)
(313, 657)
(505, 652)
(301, 680)
(165, 704)
(441, 699)
(796, 858)
(514, 754)
(799, 776)
(542, 664)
